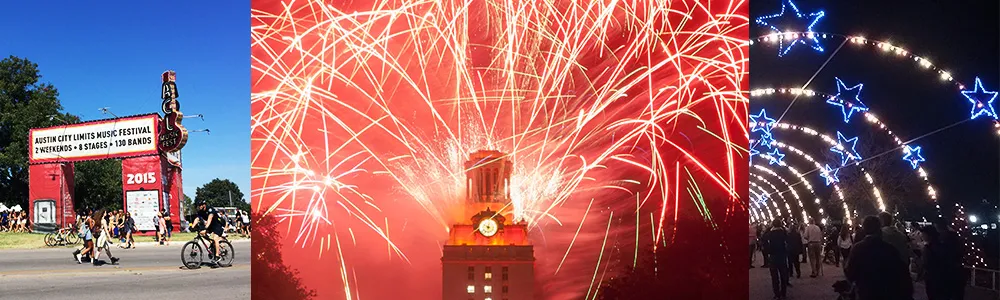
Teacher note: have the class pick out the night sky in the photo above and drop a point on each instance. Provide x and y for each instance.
(962, 38)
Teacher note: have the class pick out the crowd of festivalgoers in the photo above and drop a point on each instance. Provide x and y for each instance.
(877, 258)
(14, 221)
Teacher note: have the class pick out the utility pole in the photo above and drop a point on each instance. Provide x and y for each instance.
(230, 198)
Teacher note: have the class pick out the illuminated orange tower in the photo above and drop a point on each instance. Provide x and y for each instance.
(488, 257)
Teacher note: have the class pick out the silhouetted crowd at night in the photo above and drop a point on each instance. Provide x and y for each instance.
(880, 258)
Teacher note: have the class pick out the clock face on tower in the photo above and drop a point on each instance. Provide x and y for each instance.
(488, 227)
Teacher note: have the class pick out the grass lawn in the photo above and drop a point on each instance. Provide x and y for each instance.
(10, 240)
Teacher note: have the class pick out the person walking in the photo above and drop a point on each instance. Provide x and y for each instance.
(875, 267)
(950, 261)
(814, 245)
(777, 247)
(765, 251)
(104, 237)
(161, 227)
(916, 236)
(128, 228)
(795, 249)
(844, 243)
(896, 238)
(170, 225)
(753, 243)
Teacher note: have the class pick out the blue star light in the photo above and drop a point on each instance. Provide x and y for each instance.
(912, 155)
(798, 21)
(982, 100)
(765, 140)
(762, 118)
(848, 108)
(830, 174)
(845, 153)
(775, 157)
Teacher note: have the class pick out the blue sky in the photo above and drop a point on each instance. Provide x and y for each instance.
(111, 53)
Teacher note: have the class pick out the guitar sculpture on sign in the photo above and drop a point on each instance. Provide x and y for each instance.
(173, 135)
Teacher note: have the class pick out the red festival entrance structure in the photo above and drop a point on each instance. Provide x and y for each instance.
(147, 145)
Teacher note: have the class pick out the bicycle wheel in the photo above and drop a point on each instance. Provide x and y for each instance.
(50, 240)
(192, 255)
(72, 238)
(227, 254)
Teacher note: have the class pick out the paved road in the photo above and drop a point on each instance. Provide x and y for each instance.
(821, 288)
(149, 271)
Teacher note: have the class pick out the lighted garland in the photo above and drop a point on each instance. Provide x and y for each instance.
(784, 182)
(768, 195)
(802, 179)
(836, 187)
(788, 207)
(871, 119)
(764, 211)
(826, 168)
(981, 99)
(974, 258)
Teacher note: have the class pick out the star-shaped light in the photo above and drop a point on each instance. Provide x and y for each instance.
(830, 174)
(761, 122)
(846, 107)
(797, 21)
(762, 199)
(846, 153)
(765, 140)
(775, 157)
(912, 155)
(753, 152)
(982, 100)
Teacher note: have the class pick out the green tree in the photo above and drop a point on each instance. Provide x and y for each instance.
(188, 205)
(98, 184)
(25, 103)
(266, 262)
(217, 192)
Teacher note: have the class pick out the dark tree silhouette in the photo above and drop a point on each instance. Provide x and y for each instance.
(274, 279)
(701, 262)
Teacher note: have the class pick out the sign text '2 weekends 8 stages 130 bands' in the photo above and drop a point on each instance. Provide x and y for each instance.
(95, 140)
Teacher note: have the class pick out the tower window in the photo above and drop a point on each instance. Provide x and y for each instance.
(505, 290)
(488, 289)
(505, 276)
(505, 269)
(488, 298)
(472, 269)
(489, 269)
(488, 276)
(471, 289)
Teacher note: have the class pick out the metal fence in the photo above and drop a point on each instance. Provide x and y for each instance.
(984, 278)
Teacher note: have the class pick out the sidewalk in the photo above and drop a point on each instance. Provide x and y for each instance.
(178, 243)
(822, 287)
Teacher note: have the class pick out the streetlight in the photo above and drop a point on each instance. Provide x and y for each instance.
(973, 218)
(104, 110)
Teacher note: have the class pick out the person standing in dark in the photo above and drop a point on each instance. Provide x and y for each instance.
(947, 258)
(764, 250)
(753, 243)
(776, 240)
(875, 268)
(795, 247)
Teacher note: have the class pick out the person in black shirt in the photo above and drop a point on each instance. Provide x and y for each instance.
(214, 225)
(875, 267)
(777, 248)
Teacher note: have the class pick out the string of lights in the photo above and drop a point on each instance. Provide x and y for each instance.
(836, 187)
(791, 187)
(871, 118)
(767, 199)
(761, 180)
(771, 192)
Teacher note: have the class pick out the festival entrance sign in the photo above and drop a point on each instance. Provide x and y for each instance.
(147, 145)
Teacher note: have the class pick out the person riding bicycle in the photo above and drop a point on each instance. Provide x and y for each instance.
(213, 224)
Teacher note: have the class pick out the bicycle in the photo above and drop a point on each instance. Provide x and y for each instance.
(62, 237)
(193, 252)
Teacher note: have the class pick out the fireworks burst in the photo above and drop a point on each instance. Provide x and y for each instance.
(364, 114)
